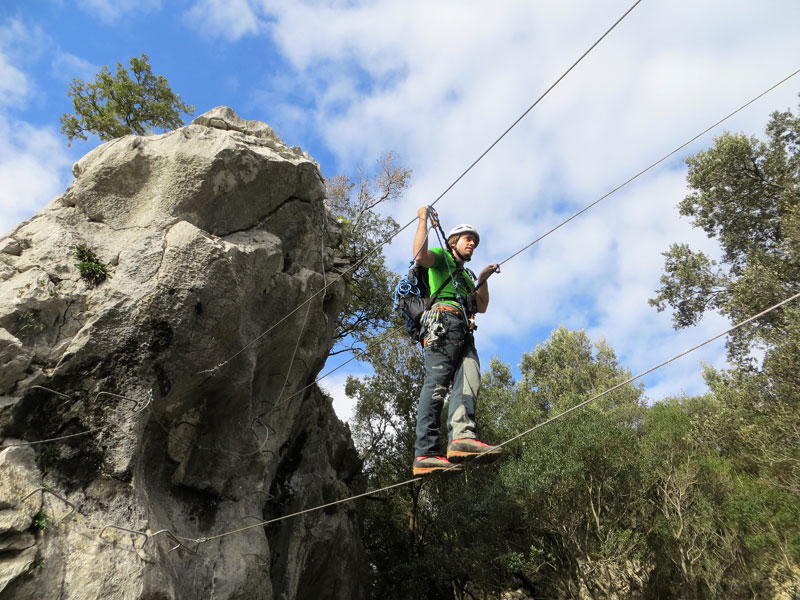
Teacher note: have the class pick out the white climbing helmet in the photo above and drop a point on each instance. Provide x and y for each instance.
(462, 229)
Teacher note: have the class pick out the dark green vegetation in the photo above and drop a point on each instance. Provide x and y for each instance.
(40, 520)
(121, 104)
(685, 498)
(91, 268)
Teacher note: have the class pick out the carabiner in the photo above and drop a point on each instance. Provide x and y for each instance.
(433, 216)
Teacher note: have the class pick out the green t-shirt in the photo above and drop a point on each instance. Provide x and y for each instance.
(443, 265)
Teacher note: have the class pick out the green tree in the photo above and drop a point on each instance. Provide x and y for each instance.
(730, 484)
(122, 104)
(757, 424)
(386, 402)
(363, 231)
(714, 530)
(576, 481)
(615, 500)
(568, 368)
(745, 193)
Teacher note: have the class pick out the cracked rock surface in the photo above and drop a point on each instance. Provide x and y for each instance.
(173, 385)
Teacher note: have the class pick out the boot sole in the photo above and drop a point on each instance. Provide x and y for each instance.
(428, 470)
(460, 456)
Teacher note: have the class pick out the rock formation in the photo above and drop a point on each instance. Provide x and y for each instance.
(175, 366)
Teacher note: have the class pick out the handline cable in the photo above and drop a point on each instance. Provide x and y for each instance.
(539, 99)
(137, 409)
(305, 320)
(369, 253)
(55, 439)
(253, 420)
(646, 169)
(385, 333)
(516, 437)
(294, 354)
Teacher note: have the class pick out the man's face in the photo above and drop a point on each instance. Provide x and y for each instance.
(466, 245)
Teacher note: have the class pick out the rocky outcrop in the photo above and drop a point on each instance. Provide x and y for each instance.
(172, 371)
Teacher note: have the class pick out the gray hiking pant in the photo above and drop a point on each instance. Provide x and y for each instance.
(450, 358)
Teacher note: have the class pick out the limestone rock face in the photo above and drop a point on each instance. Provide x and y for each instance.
(179, 388)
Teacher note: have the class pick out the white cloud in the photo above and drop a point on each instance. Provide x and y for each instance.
(34, 167)
(228, 19)
(110, 11)
(334, 386)
(15, 87)
(13, 83)
(66, 67)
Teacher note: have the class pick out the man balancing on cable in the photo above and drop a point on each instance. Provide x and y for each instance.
(450, 355)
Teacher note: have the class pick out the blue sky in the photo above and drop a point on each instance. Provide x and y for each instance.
(437, 82)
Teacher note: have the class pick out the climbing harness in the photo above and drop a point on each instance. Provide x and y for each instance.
(413, 298)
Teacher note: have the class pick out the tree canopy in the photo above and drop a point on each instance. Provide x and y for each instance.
(122, 104)
(745, 193)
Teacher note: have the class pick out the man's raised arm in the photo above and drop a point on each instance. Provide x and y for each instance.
(422, 255)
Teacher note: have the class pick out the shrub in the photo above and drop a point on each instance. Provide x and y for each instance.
(90, 266)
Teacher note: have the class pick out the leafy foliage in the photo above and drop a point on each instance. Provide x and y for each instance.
(746, 194)
(713, 529)
(29, 323)
(36, 565)
(40, 521)
(574, 479)
(121, 104)
(363, 231)
(91, 268)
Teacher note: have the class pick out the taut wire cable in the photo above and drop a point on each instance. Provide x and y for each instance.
(646, 169)
(539, 99)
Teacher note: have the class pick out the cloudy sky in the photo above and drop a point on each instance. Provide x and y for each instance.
(437, 82)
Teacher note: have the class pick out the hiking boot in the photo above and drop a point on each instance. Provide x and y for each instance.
(464, 449)
(424, 465)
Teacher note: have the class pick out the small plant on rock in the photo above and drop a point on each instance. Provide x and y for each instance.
(35, 565)
(29, 323)
(90, 266)
(40, 521)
